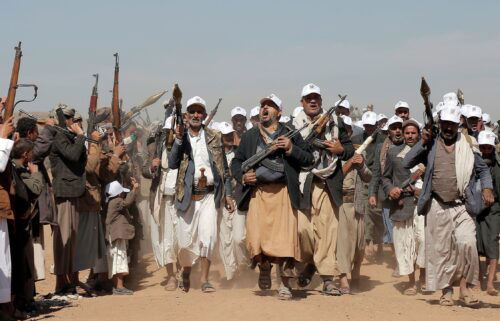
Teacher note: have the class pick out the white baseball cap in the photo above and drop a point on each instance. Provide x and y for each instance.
(225, 128)
(401, 104)
(381, 116)
(347, 120)
(238, 111)
(359, 124)
(474, 111)
(114, 189)
(369, 118)
(464, 110)
(284, 119)
(297, 111)
(486, 118)
(451, 98)
(486, 138)
(168, 123)
(394, 120)
(450, 112)
(310, 89)
(196, 100)
(439, 106)
(275, 99)
(255, 111)
(344, 104)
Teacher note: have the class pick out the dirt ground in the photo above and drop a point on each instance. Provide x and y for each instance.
(379, 298)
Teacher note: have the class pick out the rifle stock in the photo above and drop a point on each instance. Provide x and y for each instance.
(93, 107)
(115, 103)
(320, 125)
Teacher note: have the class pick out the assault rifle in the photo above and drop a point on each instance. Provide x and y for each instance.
(271, 148)
(115, 103)
(91, 122)
(320, 125)
(212, 113)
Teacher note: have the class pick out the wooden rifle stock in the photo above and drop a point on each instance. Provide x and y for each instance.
(11, 96)
(320, 125)
(93, 107)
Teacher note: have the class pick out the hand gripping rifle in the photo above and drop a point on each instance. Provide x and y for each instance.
(271, 148)
(425, 92)
(320, 125)
(212, 113)
(13, 86)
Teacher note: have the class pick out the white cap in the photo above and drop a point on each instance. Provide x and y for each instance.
(297, 111)
(381, 116)
(114, 189)
(401, 104)
(464, 110)
(347, 120)
(225, 128)
(359, 124)
(284, 119)
(168, 123)
(344, 104)
(310, 89)
(474, 111)
(255, 111)
(486, 118)
(249, 125)
(274, 99)
(486, 138)
(451, 98)
(214, 125)
(238, 111)
(394, 120)
(369, 118)
(196, 100)
(450, 112)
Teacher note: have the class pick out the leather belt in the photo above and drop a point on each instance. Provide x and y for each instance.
(348, 198)
(198, 194)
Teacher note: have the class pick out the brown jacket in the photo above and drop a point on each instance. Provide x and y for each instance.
(118, 219)
(6, 193)
(100, 170)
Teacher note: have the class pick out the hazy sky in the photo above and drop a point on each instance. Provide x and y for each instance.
(373, 51)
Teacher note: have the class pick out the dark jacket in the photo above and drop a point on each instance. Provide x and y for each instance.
(181, 157)
(300, 157)
(68, 157)
(426, 154)
(394, 175)
(335, 181)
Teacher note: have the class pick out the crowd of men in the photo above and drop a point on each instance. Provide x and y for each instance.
(318, 199)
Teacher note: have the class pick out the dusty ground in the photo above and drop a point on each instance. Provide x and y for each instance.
(378, 299)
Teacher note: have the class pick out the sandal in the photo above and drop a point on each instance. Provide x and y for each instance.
(470, 300)
(446, 299)
(412, 290)
(185, 283)
(492, 292)
(345, 290)
(284, 293)
(330, 289)
(306, 276)
(171, 284)
(265, 281)
(207, 287)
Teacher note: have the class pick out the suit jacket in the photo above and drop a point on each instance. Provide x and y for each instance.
(299, 157)
(181, 157)
(426, 154)
(68, 157)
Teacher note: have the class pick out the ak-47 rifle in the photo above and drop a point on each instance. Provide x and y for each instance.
(320, 125)
(115, 104)
(271, 148)
(93, 107)
(11, 96)
(212, 113)
(425, 92)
